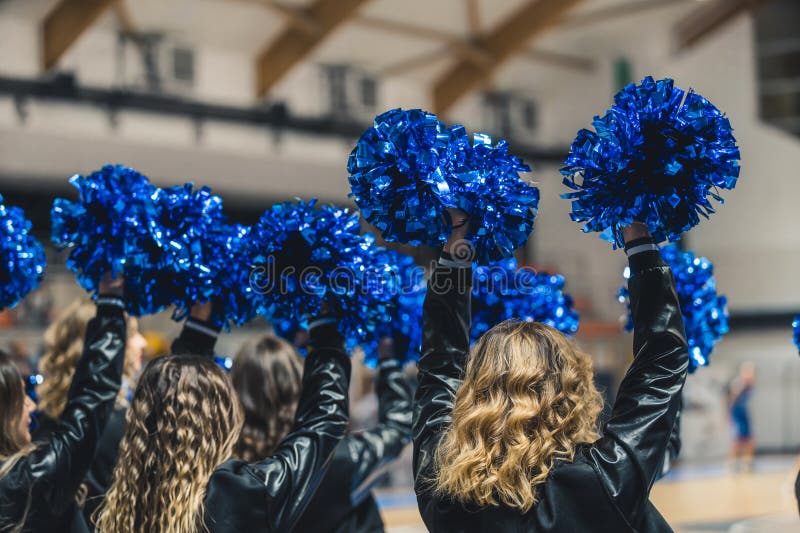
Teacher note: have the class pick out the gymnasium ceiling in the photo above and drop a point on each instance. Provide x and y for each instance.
(453, 47)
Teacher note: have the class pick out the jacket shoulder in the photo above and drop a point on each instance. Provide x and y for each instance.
(235, 499)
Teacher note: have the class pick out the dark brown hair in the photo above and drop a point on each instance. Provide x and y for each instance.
(12, 399)
(267, 374)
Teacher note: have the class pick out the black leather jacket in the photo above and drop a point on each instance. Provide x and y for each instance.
(343, 502)
(48, 478)
(271, 495)
(607, 486)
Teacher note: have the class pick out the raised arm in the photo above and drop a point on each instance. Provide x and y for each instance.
(630, 456)
(446, 320)
(370, 450)
(199, 333)
(361, 457)
(293, 472)
(58, 466)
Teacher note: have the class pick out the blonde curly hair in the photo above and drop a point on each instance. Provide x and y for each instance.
(63, 348)
(183, 422)
(527, 400)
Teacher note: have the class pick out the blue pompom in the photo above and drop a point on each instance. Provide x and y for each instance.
(400, 282)
(306, 255)
(23, 256)
(654, 157)
(204, 257)
(796, 330)
(401, 177)
(110, 230)
(502, 292)
(705, 313)
(501, 206)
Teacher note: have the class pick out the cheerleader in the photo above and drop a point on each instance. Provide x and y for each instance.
(175, 471)
(64, 342)
(505, 437)
(39, 482)
(267, 374)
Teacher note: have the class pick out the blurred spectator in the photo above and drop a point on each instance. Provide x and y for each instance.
(739, 393)
(21, 357)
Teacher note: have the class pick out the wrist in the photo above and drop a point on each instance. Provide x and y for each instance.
(635, 231)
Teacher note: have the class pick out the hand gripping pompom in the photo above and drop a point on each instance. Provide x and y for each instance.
(502, 292)
(109, 229)
(705, 313)
(307, 255)
(23, 260)
(501, 206)
(655, 157)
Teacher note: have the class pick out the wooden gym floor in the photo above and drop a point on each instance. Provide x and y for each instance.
(694, 499)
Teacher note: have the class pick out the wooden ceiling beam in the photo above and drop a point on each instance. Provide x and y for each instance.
(474, 17)
(707, 19)
(457, 44)
(293, 44)
(620, 10)
(502, 43)
(65, 23)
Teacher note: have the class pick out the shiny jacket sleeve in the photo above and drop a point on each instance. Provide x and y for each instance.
(56, 468)
(371, 450)
(292, 473)
(446, 320)
(630, 456)
(196, 338)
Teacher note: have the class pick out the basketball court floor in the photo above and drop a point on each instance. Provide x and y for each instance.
(699, 498)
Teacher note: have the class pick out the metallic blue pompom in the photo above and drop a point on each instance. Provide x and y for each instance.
(501, 206)
(204, 257)
(796, 331)
(23, 263)
(654, 157)
(305, 256)
(109, 229)
(401, 177)
(705, 313)
(400, 282)
(502, 292)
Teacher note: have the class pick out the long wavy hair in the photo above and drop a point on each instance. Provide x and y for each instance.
(14, 445)
(527, 400)
(181, 425)
(267, 375)
(63, 348)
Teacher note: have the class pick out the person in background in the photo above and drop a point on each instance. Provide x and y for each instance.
(39, 482)
(63, 345)
(64, 342)
(21, 356)
(267, 375)
(506, 437)
(176, 471)
(739, 394)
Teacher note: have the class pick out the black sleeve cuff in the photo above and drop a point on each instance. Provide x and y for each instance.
(197, 338)
(324, 334)
(109, 305)
(450, 275)
(643, 254)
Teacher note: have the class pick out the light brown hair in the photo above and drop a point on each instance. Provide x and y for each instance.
(63, 348)
(527, 400)
(181, 425)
